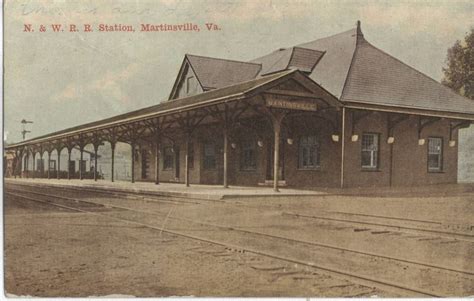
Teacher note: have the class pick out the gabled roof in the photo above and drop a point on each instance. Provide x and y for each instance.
(303, 59)
(215, 73)
(355, 71)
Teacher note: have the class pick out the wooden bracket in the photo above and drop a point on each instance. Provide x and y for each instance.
(424, 122)
(112, 136)
(289, 126)
(59, 147)
(250, 127)
(81, 142)
(334, 124)
(393, 120)
(457, 125)
(356, 117)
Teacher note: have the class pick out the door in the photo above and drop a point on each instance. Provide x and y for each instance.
(270, 160)
(72, 167)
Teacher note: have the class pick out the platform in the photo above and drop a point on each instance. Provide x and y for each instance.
(196, 191)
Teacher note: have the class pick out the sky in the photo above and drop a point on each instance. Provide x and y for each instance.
(63, 79)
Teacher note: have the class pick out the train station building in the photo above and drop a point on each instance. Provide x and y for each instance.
(334, 112)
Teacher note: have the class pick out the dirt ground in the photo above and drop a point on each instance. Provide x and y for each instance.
(55, 252)
(52, 253)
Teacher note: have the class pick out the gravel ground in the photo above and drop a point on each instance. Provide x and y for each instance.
(54, 252)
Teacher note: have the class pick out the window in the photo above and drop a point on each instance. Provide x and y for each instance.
(309, 156)
(82, 165)
(168, 158)
(370, 151)
(72, 166)
(52, 165)
(248, 155)
(39, 165)
(191, 155)
(435, 154)
(209, 156)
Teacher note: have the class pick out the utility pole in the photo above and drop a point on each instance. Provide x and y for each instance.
(23, 125)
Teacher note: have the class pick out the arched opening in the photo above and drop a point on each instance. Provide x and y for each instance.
(29, 164)
(123, 162)
(62, 165)
(24, 164)
(32, 164)
(41, 164)
(53, 164)
(88, 161)
(73, 166)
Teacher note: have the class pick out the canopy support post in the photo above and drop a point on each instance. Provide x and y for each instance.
(69, 150)
(157, 160)
(112, 145)
(58, 169)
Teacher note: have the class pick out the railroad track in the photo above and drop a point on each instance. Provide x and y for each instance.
(339, 272)
(160, 213)
(388, 217)
(141, 196)
(394, 228)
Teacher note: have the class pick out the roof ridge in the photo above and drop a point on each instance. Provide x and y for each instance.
(327, 37)
(263, 76)
(417, 71)
(282, 55)
(303, 43)
(316, 50)
(222, 59)
(349, 70)
(233, 84)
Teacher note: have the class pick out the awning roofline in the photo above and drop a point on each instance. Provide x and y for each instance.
(240, 91)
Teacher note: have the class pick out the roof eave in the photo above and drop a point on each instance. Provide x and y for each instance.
(129, 120)
(408, 110)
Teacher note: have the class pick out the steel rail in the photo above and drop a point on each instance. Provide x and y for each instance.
(157, 197)
(451, 235)
(384, 284)
(388, 217)
(397, 228)
(265, 234)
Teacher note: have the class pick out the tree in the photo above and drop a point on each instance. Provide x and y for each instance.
(459, 72)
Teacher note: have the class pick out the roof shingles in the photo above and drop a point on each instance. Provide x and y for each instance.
(216, 73)
(376, 77)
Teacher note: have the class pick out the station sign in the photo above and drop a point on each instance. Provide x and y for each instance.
(291, 104)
